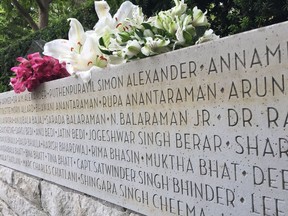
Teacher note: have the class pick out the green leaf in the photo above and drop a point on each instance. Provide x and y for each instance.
(147, 26)
(105, 51)
(125, 36)
(139, 33)
(106, 39)
(188, 37)
(101, 42)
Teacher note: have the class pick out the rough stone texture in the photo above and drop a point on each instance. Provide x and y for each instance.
(94, 207)
(58, 201)
(28, 187)
(18, 203)
(6, 175)
(5, 210)
(24, 195)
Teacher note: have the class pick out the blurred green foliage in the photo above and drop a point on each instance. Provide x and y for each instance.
(58, 28)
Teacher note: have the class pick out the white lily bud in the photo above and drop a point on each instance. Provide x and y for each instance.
(179, 9)
(199, 18)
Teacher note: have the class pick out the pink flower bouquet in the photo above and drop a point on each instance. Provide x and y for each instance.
(34, 70)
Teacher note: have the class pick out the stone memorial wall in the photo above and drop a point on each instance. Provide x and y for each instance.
(199, 131)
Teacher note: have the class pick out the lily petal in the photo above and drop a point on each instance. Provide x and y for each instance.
(70, 69)
(199, 18)
(105, 21)
(179, 36)
(208, 36)
(102, 9)
(59, 49)
(125, 11)
(76, 33)
(180, 8)
(115, 60)
(90, 50)
(85, 75)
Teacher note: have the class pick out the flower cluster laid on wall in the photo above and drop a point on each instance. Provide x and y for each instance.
(126, 36)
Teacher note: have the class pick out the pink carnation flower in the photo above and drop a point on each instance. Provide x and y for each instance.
(34, 70)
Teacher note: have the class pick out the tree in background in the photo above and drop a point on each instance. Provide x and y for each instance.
(27, 9)
(10, 27)
(19, 18)
(250, 14)
(226, 16)
(43, 13)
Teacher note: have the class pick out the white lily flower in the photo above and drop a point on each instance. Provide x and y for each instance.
(164, 21)
(88, 60)
(61, 48)
(76, 34)
(80, 52)
(127, 15)
(137, 16)
(155, 46)
(90, 56)
(208, 36)
(199, 18)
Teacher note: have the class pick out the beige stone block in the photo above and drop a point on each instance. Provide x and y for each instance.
(6, 174)
(28, 187)
(5, 210)
(58, 201)
(19, 204)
